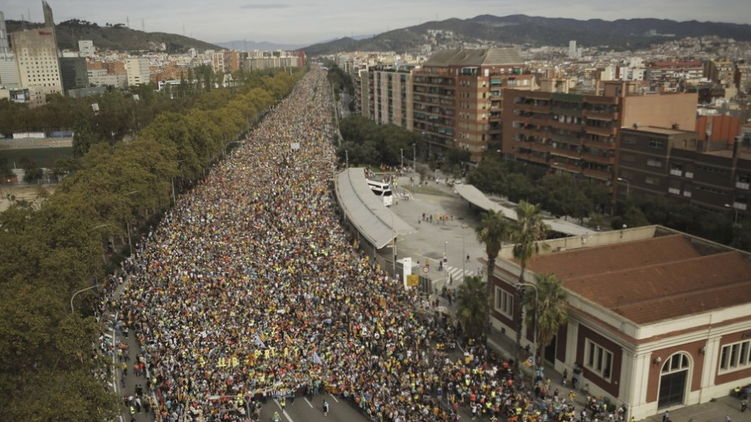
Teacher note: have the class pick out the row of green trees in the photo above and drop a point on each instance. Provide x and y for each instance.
(47, 360)
(544, 300)
(368, 143)
(557, 194)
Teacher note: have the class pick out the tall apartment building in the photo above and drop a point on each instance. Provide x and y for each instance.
(576, 134)
(743, 77)
(720, 71)
(675, 164)
(389, 96)
(38, 66)
(9, 77)
(457, 98)
(137, 69)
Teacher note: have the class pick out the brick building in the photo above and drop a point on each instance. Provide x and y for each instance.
(458, 97)
(658, 319)
(677, 165)
(576, 134)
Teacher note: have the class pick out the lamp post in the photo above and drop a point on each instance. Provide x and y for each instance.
(401, 154)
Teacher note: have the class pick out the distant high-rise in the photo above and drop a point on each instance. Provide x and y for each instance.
(4, 49)
(137, 69)
(49, 22)
(572, 51)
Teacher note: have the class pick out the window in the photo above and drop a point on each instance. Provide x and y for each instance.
(656, 144)
(651, 180)
(504, 302)
(598, 359)
(654, 163)
(735, 356)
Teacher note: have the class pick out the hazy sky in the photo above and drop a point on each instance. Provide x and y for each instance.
(309, 21)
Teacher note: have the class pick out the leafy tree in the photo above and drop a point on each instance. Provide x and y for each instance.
(493, 229)
(472, 307)
(528, 231)
(546, 310)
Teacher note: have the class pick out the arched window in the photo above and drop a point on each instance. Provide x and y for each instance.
(677, 362)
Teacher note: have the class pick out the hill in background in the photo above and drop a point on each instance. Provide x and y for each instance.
(115, 37)
(621, 34)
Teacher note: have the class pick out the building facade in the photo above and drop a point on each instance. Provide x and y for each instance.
(86, 48)
(137, 69)
(38, 66)
(682, 168)
(458, 98)
(389, 96)
(576, 134)
(74, 73)
(657, 319)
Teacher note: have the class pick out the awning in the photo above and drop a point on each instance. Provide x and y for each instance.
(475, 197)
(373, 220)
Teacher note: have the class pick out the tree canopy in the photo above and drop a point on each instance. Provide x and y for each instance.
(47, 363)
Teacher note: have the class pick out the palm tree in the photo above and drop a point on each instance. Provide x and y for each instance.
(471, 306)
(546, 309)
(493, 229)
(528, 231)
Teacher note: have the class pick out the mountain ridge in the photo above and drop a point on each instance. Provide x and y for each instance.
(113, 37)
(619, 34)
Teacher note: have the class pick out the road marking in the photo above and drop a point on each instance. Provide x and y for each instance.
(308, 401)
(332, 396)
(284, 412)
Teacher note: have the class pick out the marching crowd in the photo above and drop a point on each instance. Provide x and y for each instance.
(251, 288)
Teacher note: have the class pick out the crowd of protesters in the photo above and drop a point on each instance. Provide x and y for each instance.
(251, 288)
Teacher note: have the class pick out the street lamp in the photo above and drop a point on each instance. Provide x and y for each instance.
(628, 185)
(735, 211)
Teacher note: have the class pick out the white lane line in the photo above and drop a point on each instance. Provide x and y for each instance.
(332, 396)
(284, 412)
(308, 401)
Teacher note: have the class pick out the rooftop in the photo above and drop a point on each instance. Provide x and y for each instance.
(467, 57)
(653, 279)
(660, 130)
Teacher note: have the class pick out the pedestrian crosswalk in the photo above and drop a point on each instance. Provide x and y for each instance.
(455, 275)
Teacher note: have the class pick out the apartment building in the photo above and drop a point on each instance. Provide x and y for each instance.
(576, 134)
(681, 167)
(137, 69)
(388, 95)
(458, 98)
(38, 67)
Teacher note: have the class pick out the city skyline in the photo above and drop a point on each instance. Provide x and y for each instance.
(306, 22)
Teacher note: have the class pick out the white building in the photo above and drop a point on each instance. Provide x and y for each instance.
(573, 53)
(137, 69)
(658, 319)
(100, 77)
(38, 66)
(86, 48)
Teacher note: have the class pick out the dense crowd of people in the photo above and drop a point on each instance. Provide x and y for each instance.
(251, 288)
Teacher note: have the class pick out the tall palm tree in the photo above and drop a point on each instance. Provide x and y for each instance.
(471, 306)
(546, 309)
(493, 229)
(528, 231)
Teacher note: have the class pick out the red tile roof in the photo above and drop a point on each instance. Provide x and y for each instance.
(651, 280)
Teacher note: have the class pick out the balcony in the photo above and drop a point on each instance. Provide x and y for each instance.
(560, 152)
(740, 206)
(676, 172)
(533, 108)
(575, 127)
(598, 158)
(531, 157)
(571, 168)
(571, 139)
(742, 185)
(600, 131)
(598, 144)
(597, 174)
(689, 175)
(601, 115)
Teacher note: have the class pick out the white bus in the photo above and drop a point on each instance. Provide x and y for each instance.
(383, 190)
